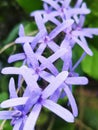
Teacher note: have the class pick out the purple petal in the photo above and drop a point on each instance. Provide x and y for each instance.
(33, 116)
(24, 39)
(12, 89)
(39, 21)
(61, 28)
(5, 115)
(11, 70)
(16, 57)
(77, 80)
(47, 64)
(55, 83)
(41, 49)
(78, 11)
(71, 100)
(18, 124)
(14, 102)
(21, 31)
(57, 54)
(91, 31)
(38, 37)
(30, 55)
(53, 46)
(52, 3)
(83, 45)
(59, 110)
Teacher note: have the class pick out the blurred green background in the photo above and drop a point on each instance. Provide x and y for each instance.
(14, 12)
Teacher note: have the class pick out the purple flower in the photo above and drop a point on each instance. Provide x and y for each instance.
(35, 99)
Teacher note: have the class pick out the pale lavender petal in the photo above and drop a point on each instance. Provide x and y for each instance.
(32, 118)
(24, 39)
(12, 89)
(5, 115)
(84, 46)
(71, 100)
(16, 57)
(33, 98)
(21, 31)
(78, 11)
(47, 64)
(59, 110)
(66, 3)
(18, 124)
(79, 61)
(46, 76)
(14, 102)
(30, 55)
(11, 70)
(77, 80)
(37, 38)
(60, 28)
(53, 46)
(82, 33)
(55, 84)
(39, 21)
(41, 48)
(52, 3)
(92, 31)
(79, 2)
(58, 54)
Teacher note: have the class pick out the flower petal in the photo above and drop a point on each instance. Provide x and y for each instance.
(5, 115)
(14, 102)
(32, 118)
(84, 46)
(55, 83)
(59, 110)
(60, 28)
(16, 57)
(71, 100)
(12, 89)
(77, 80)
(24, 39)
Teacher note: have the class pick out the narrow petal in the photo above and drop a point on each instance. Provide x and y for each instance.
(32, 118)
(71, 100)
(16, 57)
(41, 49)
(55, 83)
(77, 80)
(47, 76)
(14, 102)
(53, 46)
(18, 124)
(61, 28)
(21, 30)
(5, 115)
(30, 55)
(59, 110)
(24, 39)
(11, 70)
(58, 54)
(37, 38)
(78, 11)
(52, 3)
(12, 89)
(47, 64)
(84, 46)
(39, 21)
(93, 31)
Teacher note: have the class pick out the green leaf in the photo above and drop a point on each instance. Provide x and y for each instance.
(90, 64)
(30, 5)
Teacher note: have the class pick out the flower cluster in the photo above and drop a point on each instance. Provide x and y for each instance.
(42, 82)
